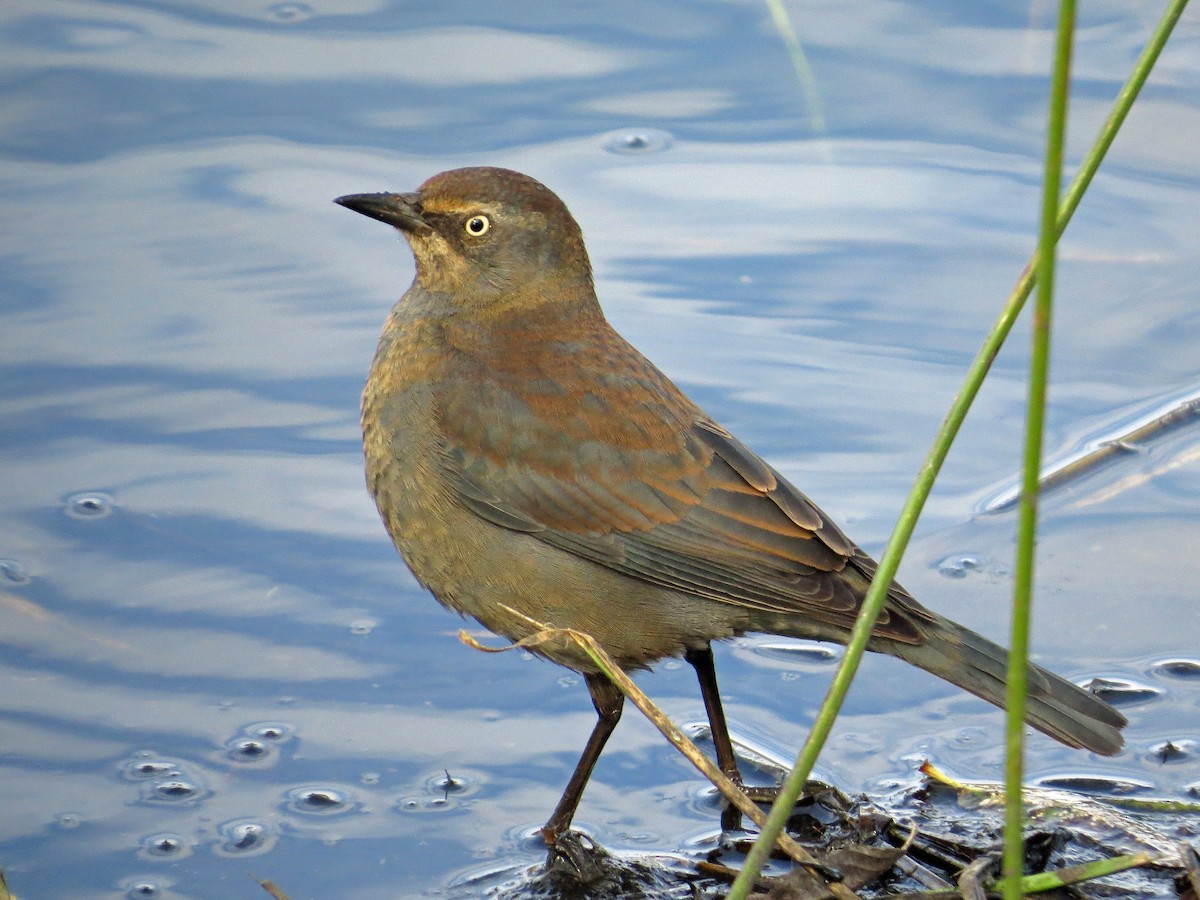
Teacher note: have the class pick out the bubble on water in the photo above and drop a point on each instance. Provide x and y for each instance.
(174, 790)
(270, 731)
(960, 565)
(290, 12)
(142, 887)
(89, 505)
(164, 844)
(249, 750)
(363, 626)
(13, 574)
(68, 820)
(143, 767)
(1176, 668)
(245, 838)
(638, 141)
(321, 801)
(163, 780)
(441, 792)
(425, 804)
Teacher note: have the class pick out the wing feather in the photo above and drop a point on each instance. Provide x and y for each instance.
(707, 517)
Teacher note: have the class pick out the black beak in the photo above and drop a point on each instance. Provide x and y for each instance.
(398, 210)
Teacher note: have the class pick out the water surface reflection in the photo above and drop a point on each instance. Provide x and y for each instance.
(211, 651)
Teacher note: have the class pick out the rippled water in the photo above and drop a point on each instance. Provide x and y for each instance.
(213, 662)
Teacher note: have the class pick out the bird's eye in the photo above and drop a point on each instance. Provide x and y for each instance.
(477, 226)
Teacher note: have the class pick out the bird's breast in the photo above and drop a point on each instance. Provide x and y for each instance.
(433, 416)
(403, 445)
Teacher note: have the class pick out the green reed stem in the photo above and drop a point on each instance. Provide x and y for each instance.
(890, 560)
(1035, 421)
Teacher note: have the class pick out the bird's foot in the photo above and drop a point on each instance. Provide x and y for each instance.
(574, 856)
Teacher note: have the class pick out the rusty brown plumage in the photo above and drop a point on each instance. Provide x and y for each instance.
(524, 457)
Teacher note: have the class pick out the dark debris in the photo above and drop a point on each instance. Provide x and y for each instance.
(926, 841)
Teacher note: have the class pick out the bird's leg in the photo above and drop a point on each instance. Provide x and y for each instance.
(706, 672)
(702, 662)
(608, 701)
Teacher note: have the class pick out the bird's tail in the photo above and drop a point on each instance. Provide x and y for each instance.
(1054, 706)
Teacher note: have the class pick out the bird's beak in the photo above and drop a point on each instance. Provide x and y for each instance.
(398, 210)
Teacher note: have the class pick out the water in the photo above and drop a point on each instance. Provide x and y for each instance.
(213, 662)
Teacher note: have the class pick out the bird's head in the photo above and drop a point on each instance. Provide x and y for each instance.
(484, 236)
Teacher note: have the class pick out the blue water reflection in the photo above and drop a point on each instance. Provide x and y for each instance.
(210, 649)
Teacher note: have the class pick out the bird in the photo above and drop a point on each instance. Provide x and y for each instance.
(533, 468)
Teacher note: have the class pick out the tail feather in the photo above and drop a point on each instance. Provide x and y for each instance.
(1054, 706)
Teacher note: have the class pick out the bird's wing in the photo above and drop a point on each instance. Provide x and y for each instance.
(707, 517)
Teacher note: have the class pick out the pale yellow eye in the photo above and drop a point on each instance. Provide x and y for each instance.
(477, 226)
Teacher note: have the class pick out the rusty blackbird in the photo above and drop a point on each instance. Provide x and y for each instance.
(530, 464)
